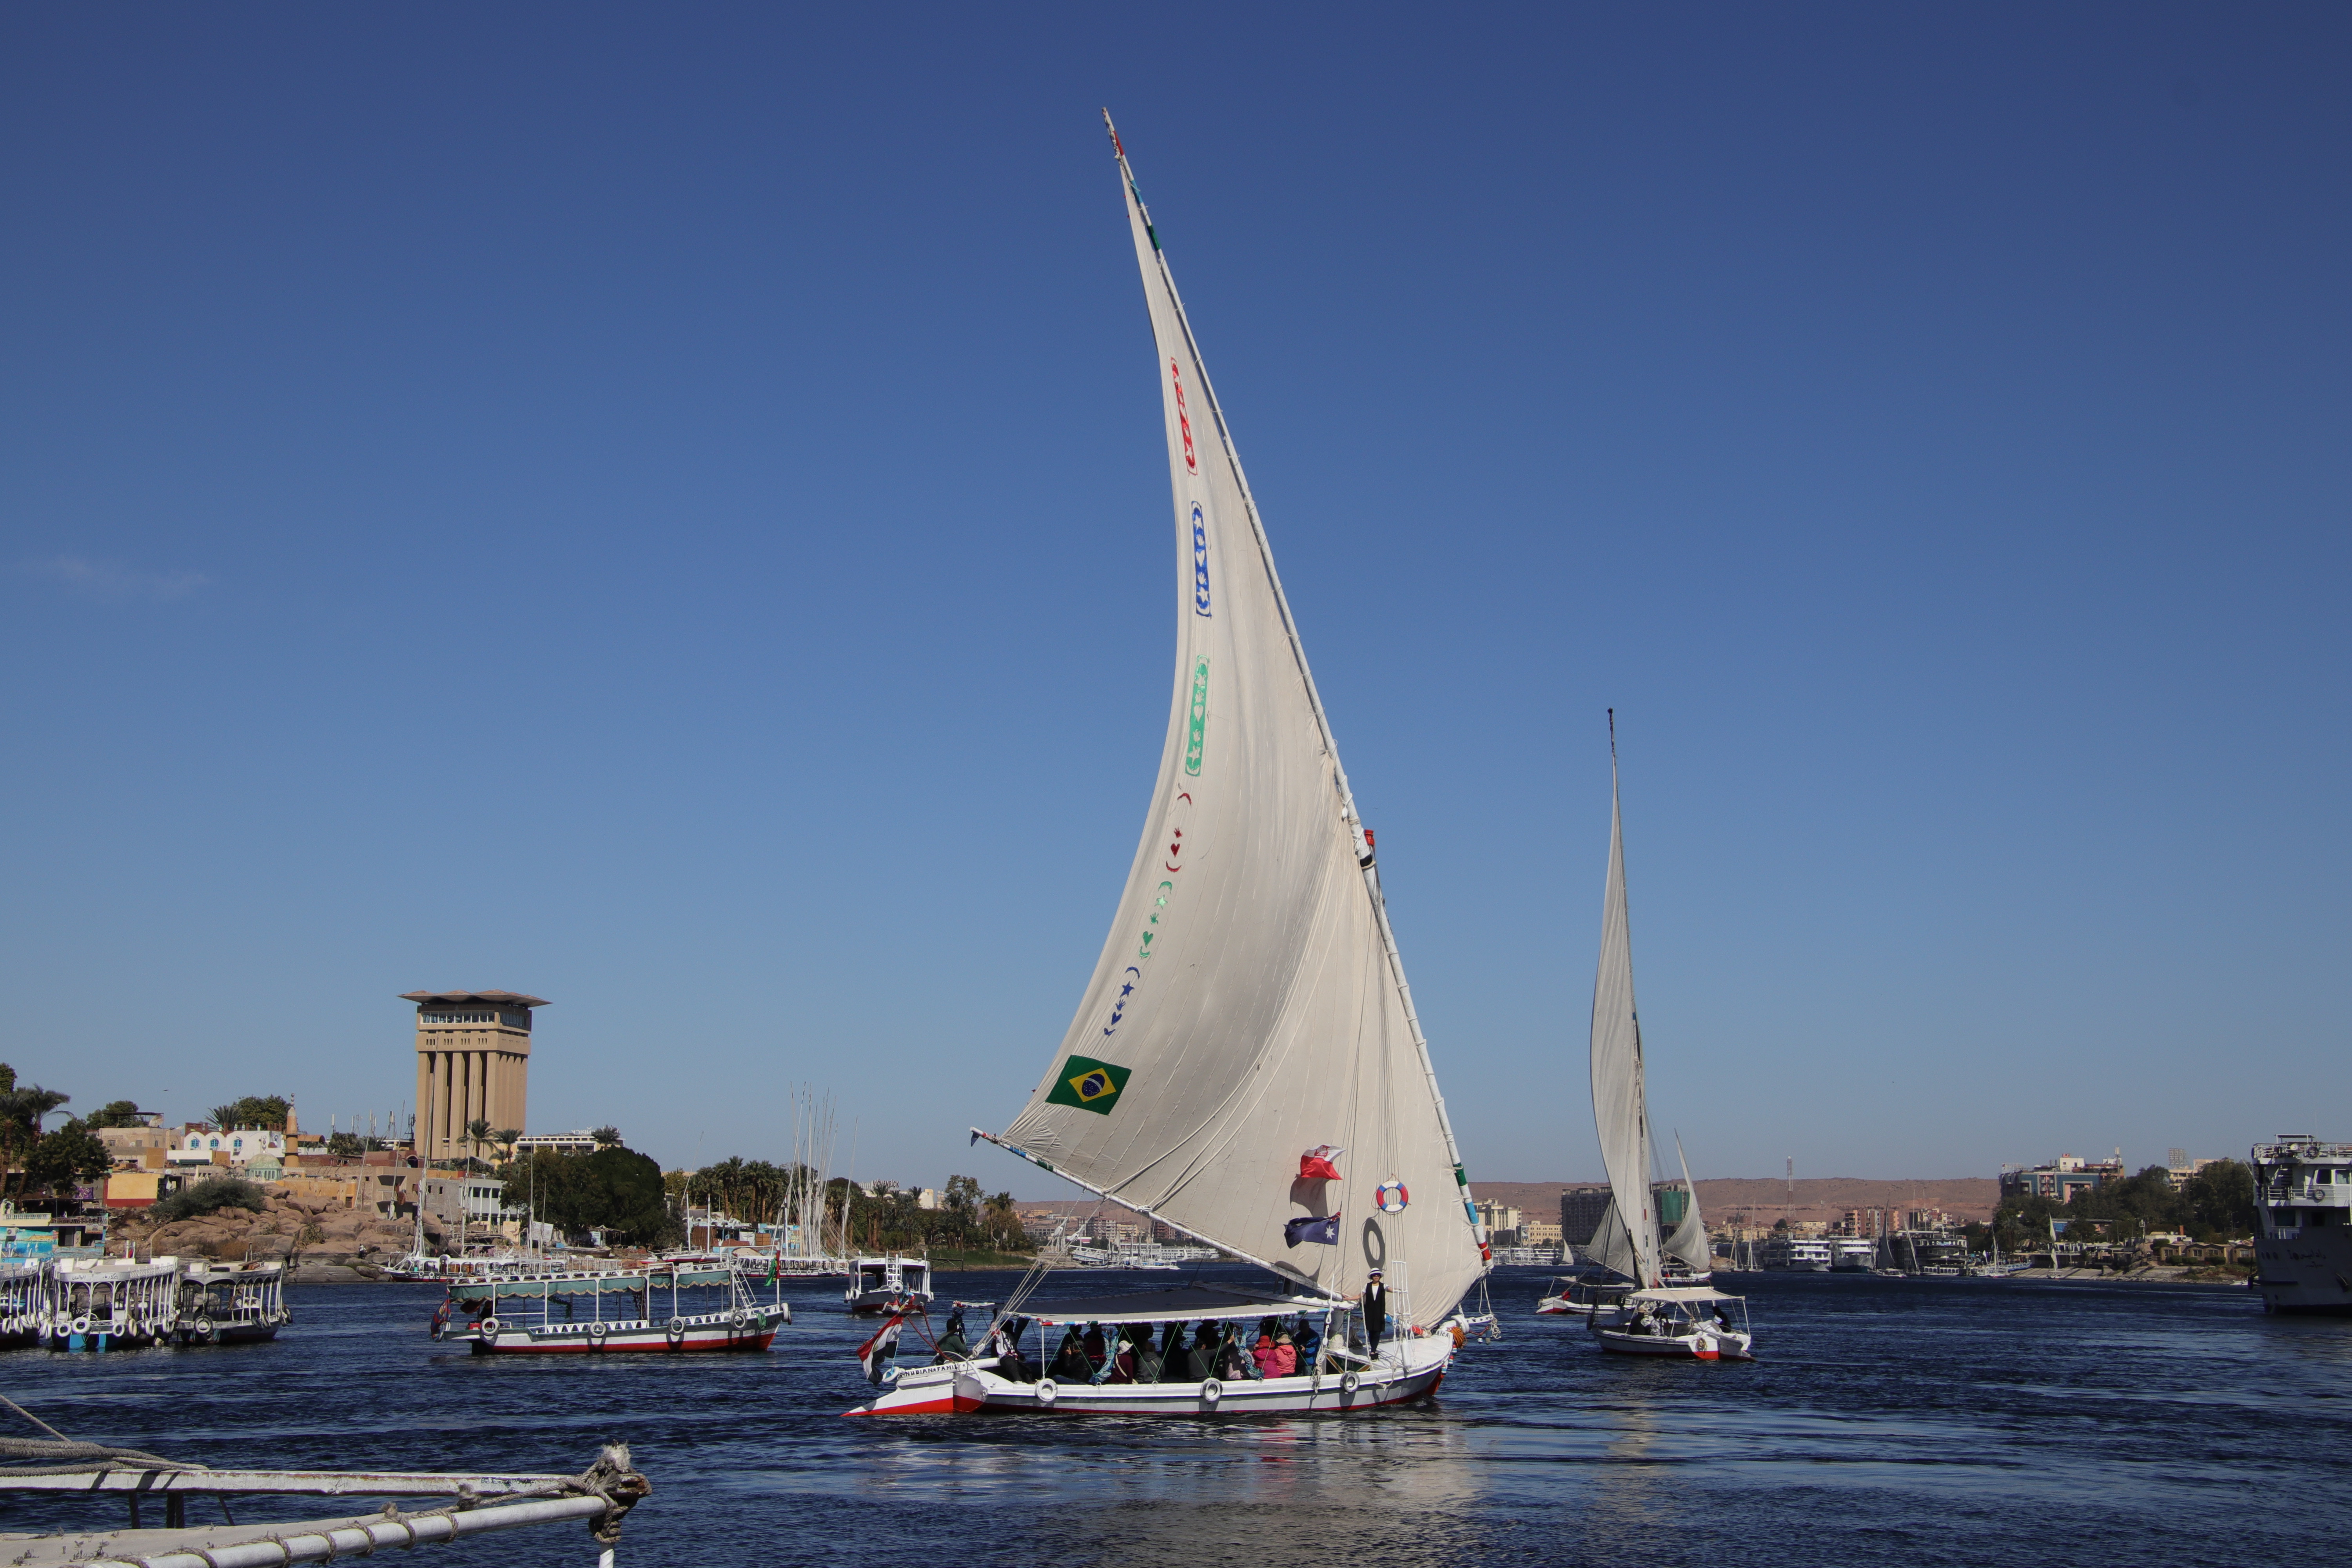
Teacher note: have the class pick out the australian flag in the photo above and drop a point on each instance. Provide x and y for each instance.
(1321, 1228)
(877, 1354)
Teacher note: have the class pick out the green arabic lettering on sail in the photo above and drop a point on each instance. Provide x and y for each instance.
(1196, 732)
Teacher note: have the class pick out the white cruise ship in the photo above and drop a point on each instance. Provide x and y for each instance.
(2303, 1189)
(1801, 1255)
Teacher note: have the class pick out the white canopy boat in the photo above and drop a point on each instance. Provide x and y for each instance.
(1663, 1316)
(886, 1284)
(1245, 1066)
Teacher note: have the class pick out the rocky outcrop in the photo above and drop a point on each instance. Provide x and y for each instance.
(287, 1229)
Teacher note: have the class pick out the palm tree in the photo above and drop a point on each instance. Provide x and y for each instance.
(505, 1138)
(477, 1133)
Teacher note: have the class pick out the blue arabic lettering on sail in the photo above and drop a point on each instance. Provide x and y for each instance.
(1200, 561)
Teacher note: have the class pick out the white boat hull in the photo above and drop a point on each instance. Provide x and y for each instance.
(751, 1330)
(1408, 1370)
(1679, 1347)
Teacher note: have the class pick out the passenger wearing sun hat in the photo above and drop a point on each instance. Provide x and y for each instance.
(1376, 1310)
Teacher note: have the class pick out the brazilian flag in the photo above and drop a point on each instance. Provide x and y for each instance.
(1089, 1085)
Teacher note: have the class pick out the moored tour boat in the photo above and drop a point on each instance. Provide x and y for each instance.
(723, 1316)
(1245, 1066)
(887, 1284)
(232, 1303)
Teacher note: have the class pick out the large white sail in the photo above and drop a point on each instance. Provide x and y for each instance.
(1249, 1005)
(1620, 1112)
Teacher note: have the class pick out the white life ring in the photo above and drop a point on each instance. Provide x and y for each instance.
(1211, 1391)
(676, 1331)
(1392, 1197)
(1348, 1381)
(739, 1317)
(79, 1325)
(1048, 1390)
(596, 1332)
(201, 1328)
(489, 1327)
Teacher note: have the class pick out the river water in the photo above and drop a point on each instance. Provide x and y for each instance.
(1887, 1421)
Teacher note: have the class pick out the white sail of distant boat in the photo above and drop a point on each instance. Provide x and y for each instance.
(1620, 1111)
(1688, 1241)
(1687, 1318)
(1248, 1016)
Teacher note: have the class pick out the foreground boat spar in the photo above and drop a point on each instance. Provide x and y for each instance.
(1245, 1066)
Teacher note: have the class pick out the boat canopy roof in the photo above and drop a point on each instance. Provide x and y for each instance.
(1189, 1302)
(1682, 1293)
(583, 1282)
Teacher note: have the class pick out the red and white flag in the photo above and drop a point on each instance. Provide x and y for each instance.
(877, 1354)
(1315, 1165)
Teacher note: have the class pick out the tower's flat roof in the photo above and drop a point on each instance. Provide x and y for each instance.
(510, 998)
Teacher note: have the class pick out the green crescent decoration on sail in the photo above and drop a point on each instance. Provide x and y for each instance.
(1089, 1085)
(1196, 724)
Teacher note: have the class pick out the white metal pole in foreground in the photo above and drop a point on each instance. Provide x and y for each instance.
(317, 1545)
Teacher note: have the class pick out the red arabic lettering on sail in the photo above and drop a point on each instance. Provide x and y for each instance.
(1183, 421)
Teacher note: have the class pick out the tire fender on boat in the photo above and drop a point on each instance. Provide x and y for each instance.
(203, 1329)
(739, 1317)
(596, 1332)
(79, 1325)
(1047, 1391)
(1211, 1391)
(676, 1331)
(489, 1327)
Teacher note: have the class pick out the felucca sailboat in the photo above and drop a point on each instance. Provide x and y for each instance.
(1660, 1316)
(1245, 1066)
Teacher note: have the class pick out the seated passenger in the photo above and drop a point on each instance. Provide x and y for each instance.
(1203, 1363)
(1262, 1355)
(1175, 1356)
(1147, 1358)
(952, 1345)
(1070, 1363)
(1286, 1356)
(1311, 1343)
(1122, 1361)
(1231, 1360)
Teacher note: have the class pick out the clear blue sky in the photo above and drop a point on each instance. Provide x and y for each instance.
(666, 511)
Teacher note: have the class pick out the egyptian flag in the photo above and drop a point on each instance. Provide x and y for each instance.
(1322, 1229)
(1315, 1165)
(877, 1354)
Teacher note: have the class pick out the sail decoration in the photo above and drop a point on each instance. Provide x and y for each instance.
(1620, 1112)
(1249, 1002)
(1689, 1240)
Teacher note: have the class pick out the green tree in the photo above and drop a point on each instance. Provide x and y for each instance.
(208, 1197)
(114, 1113)
(616, 1190)
(21, 1109)
(265, 1111)
(2220, 1200)
(607, 1137)
(59, 1160)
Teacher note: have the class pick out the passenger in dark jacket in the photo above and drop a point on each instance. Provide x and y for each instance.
(1070, 1363)
(1202, 1364)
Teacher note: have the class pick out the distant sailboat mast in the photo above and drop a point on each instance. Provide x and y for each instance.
(1620, 1105)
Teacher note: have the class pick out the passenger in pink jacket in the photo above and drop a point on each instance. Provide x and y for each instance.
(1286, 1357)
(1263, 1354)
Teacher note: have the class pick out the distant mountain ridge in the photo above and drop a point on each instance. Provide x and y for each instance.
(1763, 1198)
(1768, 1198)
